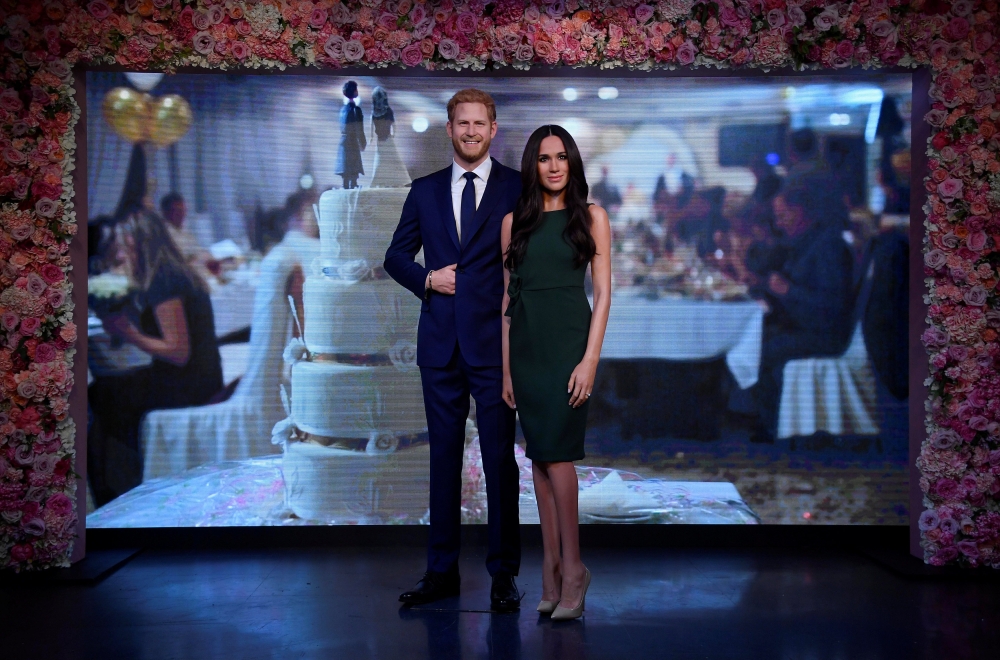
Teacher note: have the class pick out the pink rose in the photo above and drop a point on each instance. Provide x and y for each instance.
(417, 14)
(52, 273)
(796, 16)
(9, 320)
(976, 296)
(24, 552)
(825, 20)
(946, 489)
(976, 241)
(334, 47)
(883, 29)
(776, 18)
(412, 55)
(686, 52)
(950, 188)
(985, 98)
(30, 325)
(45, 352)
(244, 28)
(929, 520)
(466, 22)
(216, 14)
(317, 19)
(353, 50)
(27, 389)
(33, 526)
(956, 30)
(968, 548)
(448, 49)
(845, 49)
(35, 285)
(60, 504)
(240, 50)
(56, 298)
(525, 53)
(203, 42)
(643, 13)
(387, 21)
(934, 259)
(983, 41)
(14, 157)
(99, 9)
(201, 21)
(978, 423)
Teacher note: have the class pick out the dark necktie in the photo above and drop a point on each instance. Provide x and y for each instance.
(468, 204)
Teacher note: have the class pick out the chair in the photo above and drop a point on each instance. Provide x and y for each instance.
(833, 394)
(240, 427)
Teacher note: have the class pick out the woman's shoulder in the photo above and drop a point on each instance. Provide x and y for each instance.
(597, 213)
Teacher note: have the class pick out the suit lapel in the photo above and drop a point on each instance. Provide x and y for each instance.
(445, 209)
(491, 196)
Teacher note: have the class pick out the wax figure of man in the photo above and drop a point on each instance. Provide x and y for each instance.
(455, 216)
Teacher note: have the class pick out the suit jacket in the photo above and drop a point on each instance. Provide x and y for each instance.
(471, 318)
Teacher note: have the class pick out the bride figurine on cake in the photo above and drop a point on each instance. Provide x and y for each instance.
(390, 171)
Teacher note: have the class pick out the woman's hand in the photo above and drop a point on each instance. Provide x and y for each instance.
(508, 390)
(118, 325)
(581, 383)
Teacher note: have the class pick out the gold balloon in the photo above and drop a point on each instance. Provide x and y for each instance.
(170, 119)
(127, 111)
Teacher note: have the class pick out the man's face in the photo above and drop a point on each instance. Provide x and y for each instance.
(471, 132)
(176, 214)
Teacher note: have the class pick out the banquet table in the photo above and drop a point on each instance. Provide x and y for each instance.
(682, 329)
(232, 302)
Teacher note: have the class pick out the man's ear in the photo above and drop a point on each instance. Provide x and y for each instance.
(448, 127)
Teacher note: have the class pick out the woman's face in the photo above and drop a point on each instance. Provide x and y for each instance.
(124, 251)
(553, 164)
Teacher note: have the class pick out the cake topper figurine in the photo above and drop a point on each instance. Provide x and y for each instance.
(352, 138)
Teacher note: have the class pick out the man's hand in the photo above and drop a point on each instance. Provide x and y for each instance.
(778, 284)
(443, 280)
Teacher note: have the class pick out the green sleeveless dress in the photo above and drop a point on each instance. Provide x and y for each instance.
(549, 325)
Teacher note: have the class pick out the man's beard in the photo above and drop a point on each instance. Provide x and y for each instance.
(460, 149)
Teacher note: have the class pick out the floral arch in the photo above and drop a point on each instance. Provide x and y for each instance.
(42, 40)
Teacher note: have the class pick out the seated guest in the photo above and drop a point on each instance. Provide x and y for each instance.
(174, 323)
(703, 223)
(174, 211)
(808, 294)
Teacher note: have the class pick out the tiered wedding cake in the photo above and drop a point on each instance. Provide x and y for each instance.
(356, 405)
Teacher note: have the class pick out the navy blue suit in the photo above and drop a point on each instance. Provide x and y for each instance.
(459, 353)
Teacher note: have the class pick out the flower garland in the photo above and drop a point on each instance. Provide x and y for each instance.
(41, 41)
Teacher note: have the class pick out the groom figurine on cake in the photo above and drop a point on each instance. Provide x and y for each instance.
(455, 216)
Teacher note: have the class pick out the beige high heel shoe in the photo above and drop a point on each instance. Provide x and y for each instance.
(547, 606)
(564, 613)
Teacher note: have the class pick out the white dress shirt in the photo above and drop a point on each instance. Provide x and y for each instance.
(458, 186)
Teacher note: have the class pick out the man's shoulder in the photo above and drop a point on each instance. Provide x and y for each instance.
(431, 179)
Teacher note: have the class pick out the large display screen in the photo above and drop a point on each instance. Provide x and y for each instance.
(251, 362)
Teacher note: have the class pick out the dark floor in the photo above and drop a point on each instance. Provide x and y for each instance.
(341, 604)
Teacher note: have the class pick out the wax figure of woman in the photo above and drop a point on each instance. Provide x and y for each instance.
(352, 138)
(175, 325)
(552, 343)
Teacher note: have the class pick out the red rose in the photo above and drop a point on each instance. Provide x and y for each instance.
(62, 467)
(940, 141)
(22, 552)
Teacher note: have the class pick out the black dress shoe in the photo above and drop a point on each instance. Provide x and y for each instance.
(433, 586)
(504, 596)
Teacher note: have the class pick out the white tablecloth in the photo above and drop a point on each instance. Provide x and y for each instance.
(232, 306)
(681, 329)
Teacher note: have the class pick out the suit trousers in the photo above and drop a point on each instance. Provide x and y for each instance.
(446, 401)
